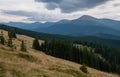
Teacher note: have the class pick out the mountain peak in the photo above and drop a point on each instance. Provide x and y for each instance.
(87, 17)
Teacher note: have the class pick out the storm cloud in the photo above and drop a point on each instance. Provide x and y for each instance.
(68, 6)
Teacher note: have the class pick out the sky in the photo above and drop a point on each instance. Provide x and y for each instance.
(55, 10)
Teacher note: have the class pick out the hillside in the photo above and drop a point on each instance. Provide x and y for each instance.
(37, 64)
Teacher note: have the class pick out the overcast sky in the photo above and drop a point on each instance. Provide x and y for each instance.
(54, 10)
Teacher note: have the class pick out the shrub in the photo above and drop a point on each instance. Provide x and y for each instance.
(23, 46)
(2, 39)
(83, 68)
(27, 57)
(10, 44)
(2, 69)
(36, 44)
(11, 34)
(17, 73)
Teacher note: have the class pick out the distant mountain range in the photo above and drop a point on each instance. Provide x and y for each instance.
(83, 26)
(29, 26)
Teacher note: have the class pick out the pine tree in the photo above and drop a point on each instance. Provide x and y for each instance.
(10, 42)
(11, 34)
(36, 44)
(23, 46)
(84, 68)
(2, 39)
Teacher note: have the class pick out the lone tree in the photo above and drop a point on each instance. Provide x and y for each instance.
(36, 44)
(10, 42)
(2, 39)
(11, 34)
(23, 46)
(84, 68)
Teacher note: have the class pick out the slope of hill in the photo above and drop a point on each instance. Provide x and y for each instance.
(37, 64)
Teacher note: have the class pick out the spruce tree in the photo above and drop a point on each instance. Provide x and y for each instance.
(10, 42)
(23, 46)
(11, 34)
(2, 39)
(36, 44)
(84, 68)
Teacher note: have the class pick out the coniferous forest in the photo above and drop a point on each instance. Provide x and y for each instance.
(92, 56)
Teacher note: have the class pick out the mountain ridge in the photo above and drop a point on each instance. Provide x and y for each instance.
(78, 26)
(84, 26)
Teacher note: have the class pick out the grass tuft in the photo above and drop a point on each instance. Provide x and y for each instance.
(27, 57)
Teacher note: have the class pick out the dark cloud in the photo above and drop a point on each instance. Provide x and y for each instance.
(67, 6)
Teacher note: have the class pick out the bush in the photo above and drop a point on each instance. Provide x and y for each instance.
(10, 44)
(36, 44)
(17, 73)
(83, 68)
(23, 46)
(27, 57)
(2, 69)
(11, 34)
(2, 39)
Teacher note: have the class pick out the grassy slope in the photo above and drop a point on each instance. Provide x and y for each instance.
(38, 64)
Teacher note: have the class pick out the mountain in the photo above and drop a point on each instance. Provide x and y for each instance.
(29, 26)
(111, 23)
(83, 26)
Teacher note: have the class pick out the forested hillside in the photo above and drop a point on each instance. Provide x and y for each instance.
(105, 56)
(19, 59)
(97, 56)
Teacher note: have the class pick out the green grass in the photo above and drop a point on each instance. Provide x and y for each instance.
(67, 71)
(27, 57)
(17, 73)
(2, 69)
(43, 76)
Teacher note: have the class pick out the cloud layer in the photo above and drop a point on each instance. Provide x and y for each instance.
(68, 6)
(55, 10)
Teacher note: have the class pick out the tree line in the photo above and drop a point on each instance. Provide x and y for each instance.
(9, 42)
(72, 52)
(110, 54)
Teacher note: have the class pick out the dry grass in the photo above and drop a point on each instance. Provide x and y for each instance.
(37, 64)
